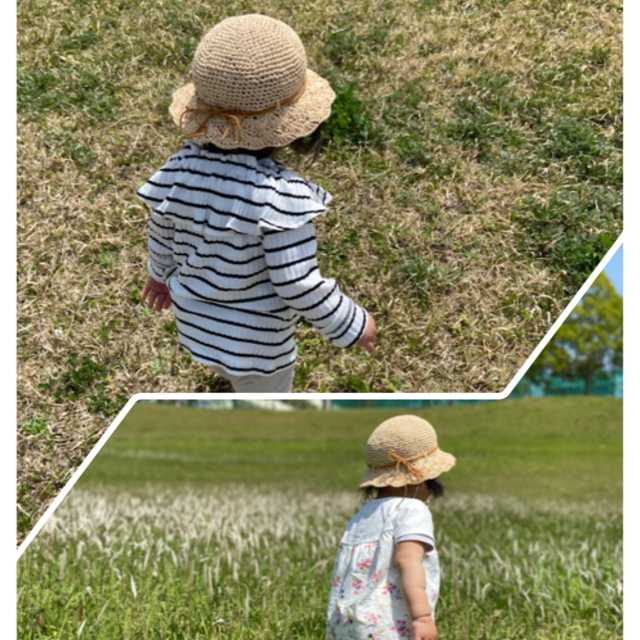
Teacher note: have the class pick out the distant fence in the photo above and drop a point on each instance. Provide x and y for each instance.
(610, 386)
(390, 404)
(553, 386)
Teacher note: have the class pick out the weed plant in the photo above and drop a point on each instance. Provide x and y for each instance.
(251, 563)
(474, 153)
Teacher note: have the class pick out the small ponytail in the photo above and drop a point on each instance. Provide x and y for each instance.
(309, 144)
(436, 488)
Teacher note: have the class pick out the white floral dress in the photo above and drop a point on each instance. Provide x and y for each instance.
(365, 601)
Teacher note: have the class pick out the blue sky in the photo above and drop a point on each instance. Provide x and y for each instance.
(613, 269)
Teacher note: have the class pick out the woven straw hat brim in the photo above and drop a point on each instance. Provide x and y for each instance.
(275, 129)
(429, 467)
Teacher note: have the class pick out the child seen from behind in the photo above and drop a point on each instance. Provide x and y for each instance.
(232, 246)
(386, 575)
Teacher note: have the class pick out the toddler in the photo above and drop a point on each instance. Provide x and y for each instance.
(386, 575)
(232, 246)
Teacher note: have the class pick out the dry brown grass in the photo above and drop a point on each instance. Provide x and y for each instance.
(489, 296)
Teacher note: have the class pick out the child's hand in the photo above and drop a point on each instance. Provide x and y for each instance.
(424, 628)
(158, 295)
(369, 336)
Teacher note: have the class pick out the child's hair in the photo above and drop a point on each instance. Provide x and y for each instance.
(436, 490)
(310, 144)
(306, 145)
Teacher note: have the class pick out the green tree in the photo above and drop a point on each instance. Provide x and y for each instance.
(588, 345)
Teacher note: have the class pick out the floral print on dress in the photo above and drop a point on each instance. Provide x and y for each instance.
(356, 585)
(365, 601)
(403, 630)
(364, 565)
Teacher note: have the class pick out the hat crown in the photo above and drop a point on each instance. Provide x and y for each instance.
(249, 63)
(404, 436)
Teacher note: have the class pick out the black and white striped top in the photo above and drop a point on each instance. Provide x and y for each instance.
(233, 238)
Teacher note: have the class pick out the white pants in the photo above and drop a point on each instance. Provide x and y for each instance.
(279, 382)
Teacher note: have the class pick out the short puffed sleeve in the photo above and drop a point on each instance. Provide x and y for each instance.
(413, 522)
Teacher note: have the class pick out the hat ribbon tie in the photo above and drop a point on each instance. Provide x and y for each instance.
(233, 117)
(412, 471)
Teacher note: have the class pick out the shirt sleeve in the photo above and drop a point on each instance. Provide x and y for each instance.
(291, 260)
(161, 263)
(414, 522)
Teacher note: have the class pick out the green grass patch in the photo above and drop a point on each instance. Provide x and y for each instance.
(349, 123)
(476, 127)
(34, 426)
(80, 41)
(583, 150)
(85, 377)
(104, 256)
(426, 279)
(561, 230)
(67, 90)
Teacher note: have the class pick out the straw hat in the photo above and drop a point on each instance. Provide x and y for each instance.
(251, 87)
(404, 450)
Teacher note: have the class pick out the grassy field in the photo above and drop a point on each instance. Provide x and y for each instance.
(500, 446)
(235, 538)
(474, 154)
(147, 446)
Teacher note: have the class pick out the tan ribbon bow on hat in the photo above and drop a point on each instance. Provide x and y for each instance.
(406, 462)
(233, 117)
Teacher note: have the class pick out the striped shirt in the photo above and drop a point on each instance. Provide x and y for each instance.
(232, 236)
